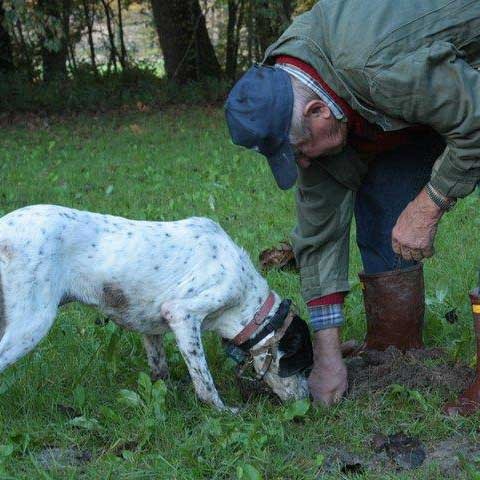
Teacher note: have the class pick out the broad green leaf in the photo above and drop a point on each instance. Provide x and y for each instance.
(299, 408)
(85, 423)
(130, 398)
(79, 396)
(112, 349)
(128, 456)
(109, 414)
(159, 392)
(6, 450)
(248, 472)
(145, 387)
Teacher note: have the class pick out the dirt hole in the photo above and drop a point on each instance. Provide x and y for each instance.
(423, 370)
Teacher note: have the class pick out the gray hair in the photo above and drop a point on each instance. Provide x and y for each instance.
(299, 130)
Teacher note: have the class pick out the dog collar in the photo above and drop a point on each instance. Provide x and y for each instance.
(257, 320)
(240, 351)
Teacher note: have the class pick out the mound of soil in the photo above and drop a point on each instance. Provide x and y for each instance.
(425, 370)
(374, 372)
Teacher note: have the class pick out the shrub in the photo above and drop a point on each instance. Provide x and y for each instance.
(87, 91)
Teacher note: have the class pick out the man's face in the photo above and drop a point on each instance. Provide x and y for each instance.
(328, 135)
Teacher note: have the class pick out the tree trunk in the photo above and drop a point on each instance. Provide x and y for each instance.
(265, 26)
(25, 56)
(54, 45)
(230, 57)
(113, 49)
(250, 33)
(271, 18)
(89, 19)
(6, 56)
(187, 50)
(238, 29)
(288, 7)
(234, 25)
(123, 50)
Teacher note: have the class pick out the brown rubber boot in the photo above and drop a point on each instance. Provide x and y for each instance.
(469, 401)
(395, 306)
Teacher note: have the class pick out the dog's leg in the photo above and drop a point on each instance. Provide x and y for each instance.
(23, 332)
(156, 356)
(29, 298)
(185, 318)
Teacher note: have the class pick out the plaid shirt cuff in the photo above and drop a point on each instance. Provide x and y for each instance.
(326, 316)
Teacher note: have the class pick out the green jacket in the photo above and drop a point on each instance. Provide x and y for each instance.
(397, 63)
(402, 62)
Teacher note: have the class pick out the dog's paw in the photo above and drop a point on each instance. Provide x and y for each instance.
(232, 410)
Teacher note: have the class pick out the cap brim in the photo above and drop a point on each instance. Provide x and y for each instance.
(284, 167)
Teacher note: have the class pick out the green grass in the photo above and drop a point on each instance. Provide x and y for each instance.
(166, 166)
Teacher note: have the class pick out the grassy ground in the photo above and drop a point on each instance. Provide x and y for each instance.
(66, 397)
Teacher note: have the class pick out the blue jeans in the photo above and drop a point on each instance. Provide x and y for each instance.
(393, 180)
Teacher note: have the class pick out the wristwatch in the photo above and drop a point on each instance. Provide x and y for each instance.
(439, 200)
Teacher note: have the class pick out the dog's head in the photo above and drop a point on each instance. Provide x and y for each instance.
(291, 362)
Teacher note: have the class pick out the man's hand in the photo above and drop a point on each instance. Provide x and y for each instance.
(328, 380)
(414, 232)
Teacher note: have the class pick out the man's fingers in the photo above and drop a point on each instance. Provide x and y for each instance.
(428, 252)
(396, 246)
(406, 254)
(417, 255)
(349, 347)
(413, 254)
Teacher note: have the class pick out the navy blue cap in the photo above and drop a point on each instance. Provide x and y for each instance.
(259, 113)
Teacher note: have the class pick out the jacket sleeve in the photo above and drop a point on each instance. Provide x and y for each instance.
(434, 86)
(321, 237)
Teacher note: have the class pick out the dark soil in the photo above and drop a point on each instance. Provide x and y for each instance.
(447, 455)
(423, 370)
(374, 372)
(251, 388)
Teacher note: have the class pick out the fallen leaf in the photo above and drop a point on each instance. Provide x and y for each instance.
(141, 107)
(278, 257)
(136, 128)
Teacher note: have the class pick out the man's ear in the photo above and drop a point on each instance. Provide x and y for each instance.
(317, 109)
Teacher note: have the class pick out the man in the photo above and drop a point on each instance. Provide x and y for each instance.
(378, 104)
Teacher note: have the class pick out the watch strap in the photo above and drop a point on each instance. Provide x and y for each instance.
(439, 200)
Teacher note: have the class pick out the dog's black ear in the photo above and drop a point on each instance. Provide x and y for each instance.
(296, 348)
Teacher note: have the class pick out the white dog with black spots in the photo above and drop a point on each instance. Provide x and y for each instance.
(186, 276)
